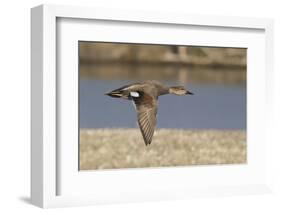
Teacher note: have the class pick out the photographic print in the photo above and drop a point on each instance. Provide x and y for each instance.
(151, 105)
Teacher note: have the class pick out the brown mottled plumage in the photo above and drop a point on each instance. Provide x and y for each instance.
(145, 96)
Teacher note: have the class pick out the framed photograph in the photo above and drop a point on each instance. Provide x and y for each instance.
(132, 106)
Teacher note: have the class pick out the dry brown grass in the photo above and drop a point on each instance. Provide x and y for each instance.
(124, 148)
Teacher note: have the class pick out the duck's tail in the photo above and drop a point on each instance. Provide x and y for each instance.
(114, 94)
(118, 94)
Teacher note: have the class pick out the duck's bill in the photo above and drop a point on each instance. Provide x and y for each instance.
(188, 93)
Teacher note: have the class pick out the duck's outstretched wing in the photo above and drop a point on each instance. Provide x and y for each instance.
(146, 107)
(147, 123)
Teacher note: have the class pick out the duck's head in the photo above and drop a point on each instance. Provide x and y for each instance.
(179, 90)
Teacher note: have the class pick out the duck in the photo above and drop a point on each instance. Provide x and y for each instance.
(144, 96)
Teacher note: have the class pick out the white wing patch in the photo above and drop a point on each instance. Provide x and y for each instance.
(135, 94)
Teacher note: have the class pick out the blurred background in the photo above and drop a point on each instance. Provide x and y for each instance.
(217, 77)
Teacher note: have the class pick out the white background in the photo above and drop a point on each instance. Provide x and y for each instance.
(15, 105)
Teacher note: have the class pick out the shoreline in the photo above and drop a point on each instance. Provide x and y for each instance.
(124, 148)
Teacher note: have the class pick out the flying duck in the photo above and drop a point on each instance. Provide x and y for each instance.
(145, 98)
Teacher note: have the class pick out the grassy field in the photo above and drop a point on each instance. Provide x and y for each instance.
(124, 148)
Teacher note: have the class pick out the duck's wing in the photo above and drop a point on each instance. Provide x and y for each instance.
(146, 107)
(147, 123)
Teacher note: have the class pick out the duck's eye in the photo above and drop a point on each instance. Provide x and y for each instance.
(134, 94)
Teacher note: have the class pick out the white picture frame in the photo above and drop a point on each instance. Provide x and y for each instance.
(49, 175)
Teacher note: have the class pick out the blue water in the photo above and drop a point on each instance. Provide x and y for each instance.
(213, 106)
